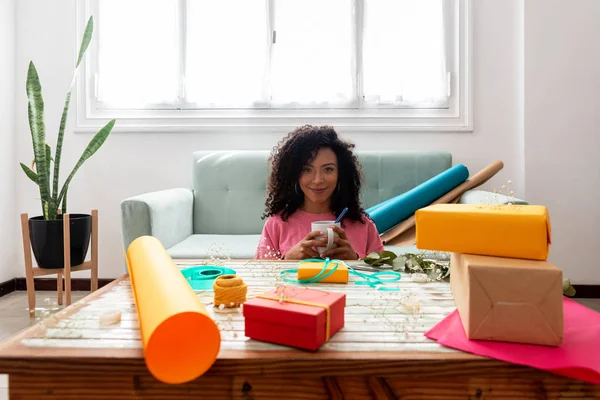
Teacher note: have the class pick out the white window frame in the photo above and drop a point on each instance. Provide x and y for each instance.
(457, 117)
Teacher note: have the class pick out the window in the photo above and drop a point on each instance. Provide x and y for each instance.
(274, 64)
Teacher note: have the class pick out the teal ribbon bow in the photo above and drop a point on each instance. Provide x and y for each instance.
(372, 280)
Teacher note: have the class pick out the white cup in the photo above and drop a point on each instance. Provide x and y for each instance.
(325, 226)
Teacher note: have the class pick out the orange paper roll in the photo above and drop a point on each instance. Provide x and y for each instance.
(181, 341)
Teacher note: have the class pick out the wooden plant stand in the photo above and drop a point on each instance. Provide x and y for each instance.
(31, 271)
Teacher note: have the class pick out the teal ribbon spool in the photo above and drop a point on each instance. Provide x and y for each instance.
(203, 277)
(372, 280)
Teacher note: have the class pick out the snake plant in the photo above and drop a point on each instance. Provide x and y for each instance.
(39, 173)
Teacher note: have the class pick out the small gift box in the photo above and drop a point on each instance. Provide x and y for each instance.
(298, 317)
(509, 300)
(321, 271)
(515, 231)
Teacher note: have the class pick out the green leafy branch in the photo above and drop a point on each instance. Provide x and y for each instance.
(568, 289)
(424, 263)
(435, 265)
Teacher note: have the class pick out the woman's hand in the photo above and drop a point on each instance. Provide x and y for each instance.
(344, 251)
(306, 247)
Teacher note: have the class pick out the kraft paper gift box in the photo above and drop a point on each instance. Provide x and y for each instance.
(514, 231)
(509, 300)
(303, 318)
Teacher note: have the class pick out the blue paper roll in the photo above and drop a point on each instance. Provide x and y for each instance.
(395, 210)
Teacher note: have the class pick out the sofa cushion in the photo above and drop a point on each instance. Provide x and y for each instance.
(230, 186)
(218, 246)
(399, 250)
(229, 191)
(235, 247)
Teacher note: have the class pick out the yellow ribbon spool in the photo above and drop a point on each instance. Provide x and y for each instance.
(230, 291)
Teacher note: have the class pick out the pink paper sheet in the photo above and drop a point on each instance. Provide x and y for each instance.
(577, 357)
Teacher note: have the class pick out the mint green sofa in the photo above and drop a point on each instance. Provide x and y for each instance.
(219, 215)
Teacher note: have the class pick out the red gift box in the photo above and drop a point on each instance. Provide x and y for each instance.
(301, 317)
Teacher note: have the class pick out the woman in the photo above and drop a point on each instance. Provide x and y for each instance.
(314, 176)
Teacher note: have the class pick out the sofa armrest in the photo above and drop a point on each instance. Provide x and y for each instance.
(167, 215)
(485, 197)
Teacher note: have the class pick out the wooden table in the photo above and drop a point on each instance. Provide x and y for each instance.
(380, 353)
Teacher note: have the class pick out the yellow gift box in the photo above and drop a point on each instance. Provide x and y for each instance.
(515, 231)
(308, 270)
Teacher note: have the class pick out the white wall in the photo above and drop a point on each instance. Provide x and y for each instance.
(129, 164)
(10, 242)
(562, 122)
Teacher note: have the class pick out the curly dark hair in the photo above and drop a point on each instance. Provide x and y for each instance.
(297, 149)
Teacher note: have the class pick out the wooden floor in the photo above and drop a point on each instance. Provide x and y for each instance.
(14, 317)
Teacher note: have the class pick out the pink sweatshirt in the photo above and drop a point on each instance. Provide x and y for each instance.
(278, 237)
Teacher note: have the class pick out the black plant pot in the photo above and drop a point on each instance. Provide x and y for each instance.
(47, 240)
